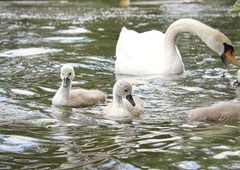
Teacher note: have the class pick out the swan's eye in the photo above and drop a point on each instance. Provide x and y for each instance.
(69, 74)
(228, 47)
(126, 90)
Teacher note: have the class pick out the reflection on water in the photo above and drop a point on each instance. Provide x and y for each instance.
(27, 52)
(37, 38)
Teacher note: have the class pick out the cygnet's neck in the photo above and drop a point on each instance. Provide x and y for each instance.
(117, 100)
(65, 91)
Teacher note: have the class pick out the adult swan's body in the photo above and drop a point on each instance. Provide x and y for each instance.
(153, 52)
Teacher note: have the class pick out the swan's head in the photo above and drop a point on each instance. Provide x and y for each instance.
(223, 46)
(67, 75)
(124, 89)
(228, 53)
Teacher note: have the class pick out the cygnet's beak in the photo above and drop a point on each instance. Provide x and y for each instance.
(228, 53)
(130, 99)
(236, 83)
(65, 82)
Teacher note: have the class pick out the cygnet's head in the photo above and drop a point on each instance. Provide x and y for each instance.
(67, 75)
(124, 89)
(238, 76)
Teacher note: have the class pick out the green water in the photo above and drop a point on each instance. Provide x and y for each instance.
(38, 37)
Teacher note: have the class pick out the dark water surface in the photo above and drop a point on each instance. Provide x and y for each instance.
(37, 37)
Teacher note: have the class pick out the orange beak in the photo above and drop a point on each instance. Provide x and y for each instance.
(232, 58)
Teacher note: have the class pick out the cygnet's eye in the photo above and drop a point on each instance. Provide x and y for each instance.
(126, 90)
(69, 74)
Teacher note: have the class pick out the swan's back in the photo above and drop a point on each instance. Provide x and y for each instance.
(219, 112)
(136, 50)
(139, 45)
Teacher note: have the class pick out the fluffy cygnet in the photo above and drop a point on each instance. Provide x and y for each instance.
(220, 112)
(124, 106)
(237, 82)
(76, 97)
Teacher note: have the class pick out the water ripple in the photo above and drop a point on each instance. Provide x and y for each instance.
(36, 135)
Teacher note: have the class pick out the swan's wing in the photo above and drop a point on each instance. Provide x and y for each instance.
(139, 53)
(133, 45)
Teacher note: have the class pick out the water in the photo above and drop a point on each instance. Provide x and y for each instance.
(38, 37)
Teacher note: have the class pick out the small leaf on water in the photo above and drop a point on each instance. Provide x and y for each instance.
(236, 6)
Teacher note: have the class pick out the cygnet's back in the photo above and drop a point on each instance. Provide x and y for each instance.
(124, 106)
(76, 97)
(220, 112)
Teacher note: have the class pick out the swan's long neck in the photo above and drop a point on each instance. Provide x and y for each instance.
(206, 33)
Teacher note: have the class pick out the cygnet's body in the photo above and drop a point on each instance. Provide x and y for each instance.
(76, 97)
(220, 112)
(124, 106)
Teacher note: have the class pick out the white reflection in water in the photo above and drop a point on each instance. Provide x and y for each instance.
(13, 143)
(67, 39)
(226, 154)
(74, 30)
(22, 92)
(191, 165)
(28, 52)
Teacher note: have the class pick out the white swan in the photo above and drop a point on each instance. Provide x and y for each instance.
(124, 106)
(76, 97)
(220, 112)
(153, 52)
